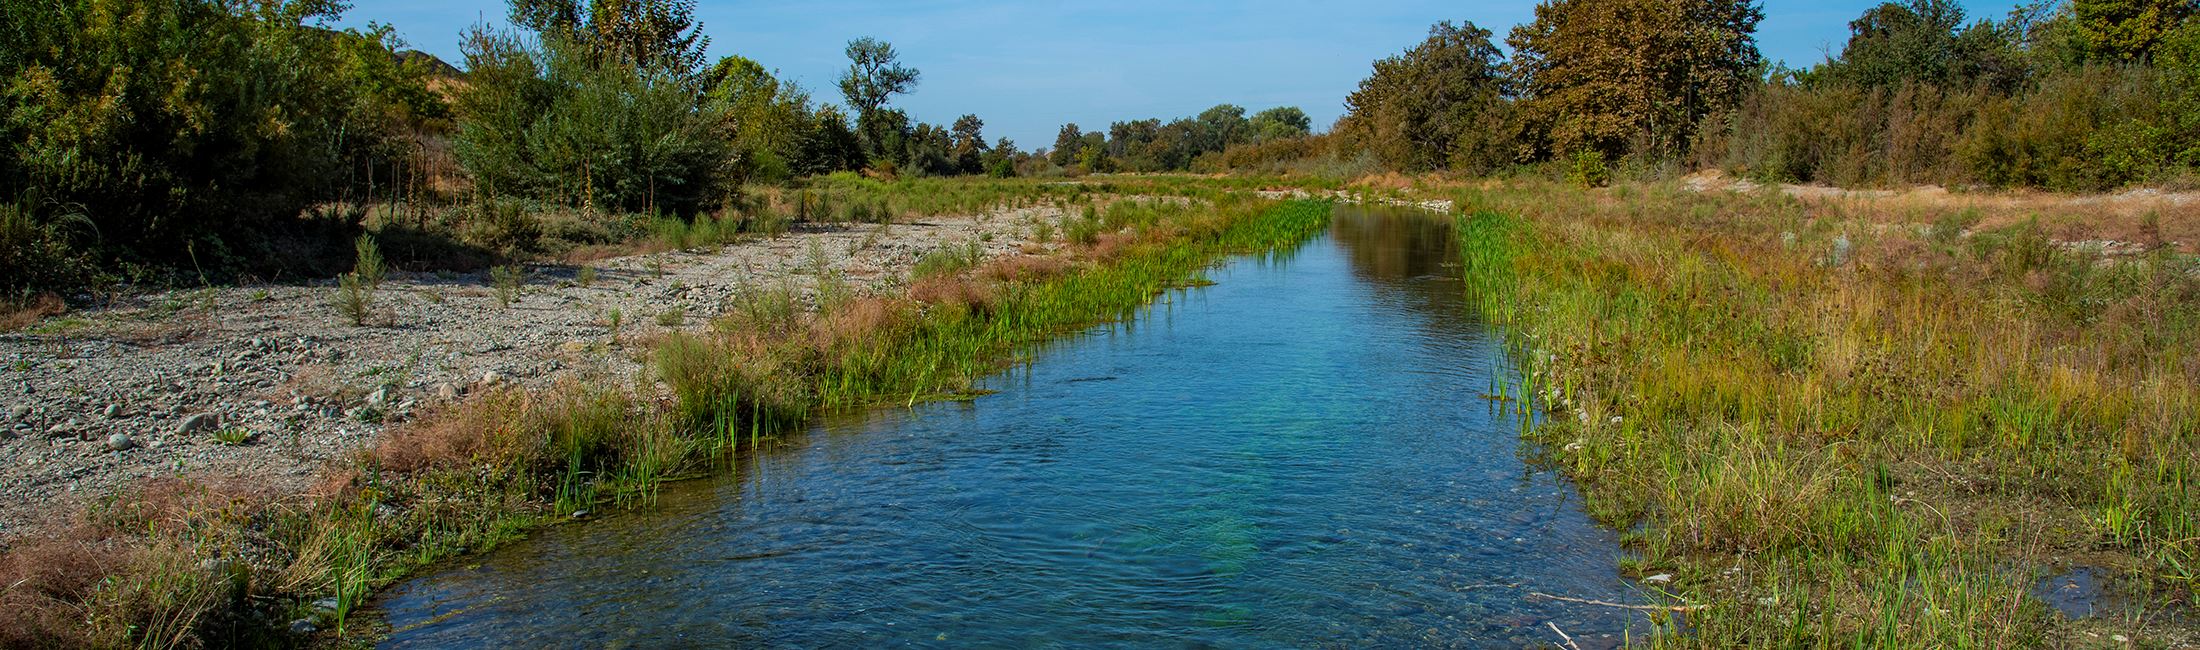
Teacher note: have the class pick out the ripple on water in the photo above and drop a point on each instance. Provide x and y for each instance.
(1294, 456)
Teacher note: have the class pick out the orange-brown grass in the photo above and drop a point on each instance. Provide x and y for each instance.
(15, 315)
(1021, 268)
(488, 427)
(974, 294)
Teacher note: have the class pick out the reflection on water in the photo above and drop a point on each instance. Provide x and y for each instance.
(1294, 456)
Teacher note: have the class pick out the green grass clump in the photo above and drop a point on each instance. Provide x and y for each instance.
(506, 282)
(948, 260)
(1892, 433)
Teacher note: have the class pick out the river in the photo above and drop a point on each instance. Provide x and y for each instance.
(1298, 455)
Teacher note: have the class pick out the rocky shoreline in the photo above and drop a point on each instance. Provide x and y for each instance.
(268, 384)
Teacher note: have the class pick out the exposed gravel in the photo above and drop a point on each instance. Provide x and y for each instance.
(152, 385)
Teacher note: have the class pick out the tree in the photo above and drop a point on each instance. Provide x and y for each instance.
(768, 120)
(970, 147)
(174, 133)
(2127, 30)
(874, 76)
(1279, 123)
(1632, 76)
(1000, 160)
(660, 35)
(553, 119)
(1222, 126)
(1066, 145)
(1440, 102)
(1896, 42)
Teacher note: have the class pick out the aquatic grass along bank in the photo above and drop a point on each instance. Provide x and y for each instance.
(767, 363)
(199, 563)
(1832, 433)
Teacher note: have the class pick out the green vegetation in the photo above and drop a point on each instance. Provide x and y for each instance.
(505, 460)
(507, 282)
(2050, 97)
(141, 136)
(1891, 432)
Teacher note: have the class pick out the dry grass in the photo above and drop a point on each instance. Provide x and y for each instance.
(1024, 268)
(19, 314)
(486, 428)
(1893, 430)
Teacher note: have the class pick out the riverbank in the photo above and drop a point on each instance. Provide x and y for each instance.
(1833, 425)
(241, 561)
(280, 368)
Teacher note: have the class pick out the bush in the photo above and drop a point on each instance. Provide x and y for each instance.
(543, 120)
(161, 123)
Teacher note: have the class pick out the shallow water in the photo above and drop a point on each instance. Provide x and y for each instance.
(1298, 455)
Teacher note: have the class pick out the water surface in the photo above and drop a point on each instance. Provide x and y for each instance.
(1298, 455)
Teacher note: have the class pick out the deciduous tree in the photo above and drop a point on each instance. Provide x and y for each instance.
(1632, 76)
(1441, 101)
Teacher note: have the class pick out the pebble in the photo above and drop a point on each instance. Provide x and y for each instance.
(200, 422)
(303, 626)
(20, 412)
(447, 391)
(491, 378)
(379, 397)
(119, 442)
(1661, 578)
(113, 411)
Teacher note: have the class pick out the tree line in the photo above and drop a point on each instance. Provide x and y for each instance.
(151, 139)
(1151, 146)
(148, 137)
(2076, 95)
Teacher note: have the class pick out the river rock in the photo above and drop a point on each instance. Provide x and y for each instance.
(19, 413)
(1659, 579)
(113, 411)
(379, 397)
(119, 442)
(200, 422)
(303, 626)
(491, 378)
(447, 391)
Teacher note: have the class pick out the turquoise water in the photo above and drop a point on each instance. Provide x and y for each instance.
(1299, 455)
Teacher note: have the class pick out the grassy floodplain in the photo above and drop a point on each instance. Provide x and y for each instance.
(197, 563)
(1834, 432)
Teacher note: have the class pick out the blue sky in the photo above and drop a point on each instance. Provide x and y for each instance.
(1027, 67)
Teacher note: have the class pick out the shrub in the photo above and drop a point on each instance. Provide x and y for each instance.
(544, 119)
(506, 281)
(210, 123)
(368, 264)
(354, 299)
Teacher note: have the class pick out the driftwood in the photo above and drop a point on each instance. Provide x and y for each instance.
(1644, 608)
(1562, 636)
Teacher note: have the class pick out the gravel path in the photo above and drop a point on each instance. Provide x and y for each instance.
(154, 384)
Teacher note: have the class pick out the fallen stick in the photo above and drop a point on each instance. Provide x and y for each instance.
(1562, 636)
(1645, 608)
